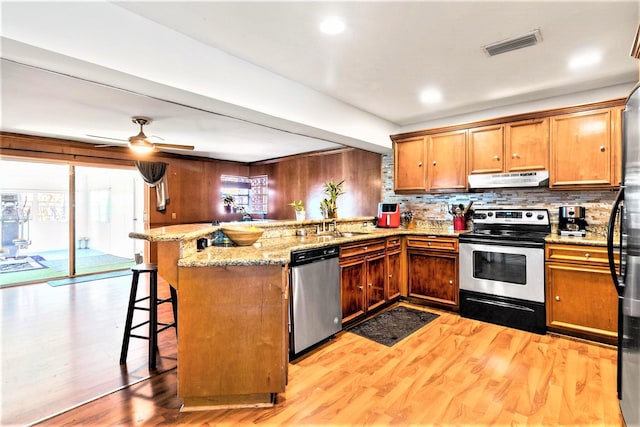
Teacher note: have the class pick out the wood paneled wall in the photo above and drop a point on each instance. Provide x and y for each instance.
(302, 177)
(195, 191)
(194, 183)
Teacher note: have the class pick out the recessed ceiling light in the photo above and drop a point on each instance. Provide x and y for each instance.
(584, 60)
(430, 96)
(332, 25)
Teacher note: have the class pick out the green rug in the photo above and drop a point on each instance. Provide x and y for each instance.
(89, 278)
(86, 262)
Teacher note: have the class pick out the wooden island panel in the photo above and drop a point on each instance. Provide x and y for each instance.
(232, 346)
(168, 255)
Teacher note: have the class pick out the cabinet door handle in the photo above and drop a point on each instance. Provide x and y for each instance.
(370, 285)
(602, 148)
(496, 158)
(434, 163)
(419, 164)
(360, 287)
(587, 255)
(365, 248)
(514, 156)
(451, 282)
(428, 243)
(390, 276)
(557, 298)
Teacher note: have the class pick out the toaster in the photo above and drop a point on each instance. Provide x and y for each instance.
(388, 215)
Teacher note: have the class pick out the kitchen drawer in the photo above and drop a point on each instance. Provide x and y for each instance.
(393, 243)
(360, 248)
(433, 243)
(593, 255)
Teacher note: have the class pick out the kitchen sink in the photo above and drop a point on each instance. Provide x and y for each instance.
(331, 235)
(350, 233)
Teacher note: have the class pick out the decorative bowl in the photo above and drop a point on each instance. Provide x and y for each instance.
(243, 236)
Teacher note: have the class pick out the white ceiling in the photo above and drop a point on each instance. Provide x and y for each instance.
(248, 81)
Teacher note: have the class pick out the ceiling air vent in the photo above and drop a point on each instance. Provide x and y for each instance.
(532, 38)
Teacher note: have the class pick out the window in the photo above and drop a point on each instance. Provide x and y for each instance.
(250, 194)
(259, 195)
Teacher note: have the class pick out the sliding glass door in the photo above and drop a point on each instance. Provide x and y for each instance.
(42, 238)
(108, 206)
(34, 201)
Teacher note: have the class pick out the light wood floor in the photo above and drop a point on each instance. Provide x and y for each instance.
(454, 371)
(61, 345)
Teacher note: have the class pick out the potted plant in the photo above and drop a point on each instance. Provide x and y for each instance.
(333, 190)
(228, 202)
(298, 207)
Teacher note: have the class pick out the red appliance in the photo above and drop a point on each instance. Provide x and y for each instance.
(388, 215)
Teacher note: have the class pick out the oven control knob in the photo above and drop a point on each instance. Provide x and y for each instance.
(540, 217)
(529, 214)
(490, 214)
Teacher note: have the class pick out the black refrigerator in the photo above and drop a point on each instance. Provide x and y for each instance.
(623, 237)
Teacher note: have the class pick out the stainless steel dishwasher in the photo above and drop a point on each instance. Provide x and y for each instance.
(315, 311)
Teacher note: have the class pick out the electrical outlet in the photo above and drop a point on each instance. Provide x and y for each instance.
(173, 215)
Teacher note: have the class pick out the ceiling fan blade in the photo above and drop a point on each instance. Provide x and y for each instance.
(175, 146)
(105, 137)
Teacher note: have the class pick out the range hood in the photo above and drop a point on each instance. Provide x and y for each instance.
(506, 180)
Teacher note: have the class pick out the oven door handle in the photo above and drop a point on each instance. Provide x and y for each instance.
(497, 242)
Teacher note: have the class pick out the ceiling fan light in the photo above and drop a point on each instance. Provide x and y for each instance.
(140, 146)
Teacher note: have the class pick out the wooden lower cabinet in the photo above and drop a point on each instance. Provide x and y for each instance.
(393, 256)
(433, 270)
(362, 284)
(581, 299)
(393, 274)
(365, 276)
(352, 279)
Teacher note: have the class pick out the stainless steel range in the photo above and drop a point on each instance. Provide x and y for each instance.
(502, 268)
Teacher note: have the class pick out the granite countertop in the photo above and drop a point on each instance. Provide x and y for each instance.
(279, 239)
(194, 231)
(277, 250)
(596, 236)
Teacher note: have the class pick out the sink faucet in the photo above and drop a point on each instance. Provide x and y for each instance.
(335, 226)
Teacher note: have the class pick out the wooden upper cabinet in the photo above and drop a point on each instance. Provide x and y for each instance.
(486, 149)
(526, 145)
(582, 150)
(447, 161)
(409, 168)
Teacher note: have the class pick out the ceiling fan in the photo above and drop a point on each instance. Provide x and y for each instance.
(141, 143)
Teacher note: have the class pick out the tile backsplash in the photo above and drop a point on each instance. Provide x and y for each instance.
(433, 206)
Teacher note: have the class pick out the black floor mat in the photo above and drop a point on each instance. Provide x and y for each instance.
(394, 325)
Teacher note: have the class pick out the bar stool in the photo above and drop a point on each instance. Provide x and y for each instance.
(154, 302)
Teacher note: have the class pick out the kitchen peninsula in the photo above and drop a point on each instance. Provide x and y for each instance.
(233, 301)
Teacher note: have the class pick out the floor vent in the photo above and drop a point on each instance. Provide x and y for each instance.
(526, 40)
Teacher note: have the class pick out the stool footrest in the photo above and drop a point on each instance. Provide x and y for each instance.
(146, 322)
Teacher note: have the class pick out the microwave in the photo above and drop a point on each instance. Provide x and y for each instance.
(389, 215)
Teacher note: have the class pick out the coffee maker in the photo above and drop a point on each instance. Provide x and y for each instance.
(572, 221)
